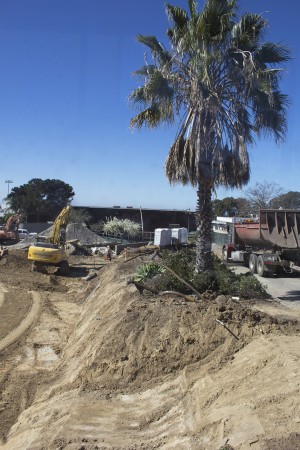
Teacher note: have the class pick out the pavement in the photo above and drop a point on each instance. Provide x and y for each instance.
(284, 288)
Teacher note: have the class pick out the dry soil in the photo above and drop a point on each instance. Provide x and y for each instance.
(97, 365)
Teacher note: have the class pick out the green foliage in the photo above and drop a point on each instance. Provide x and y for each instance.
(290, 200)
(242, 285)
(231, 206)
(147, 271)
(41, 200)
(183, 264)
(220, 280)
(121, 226)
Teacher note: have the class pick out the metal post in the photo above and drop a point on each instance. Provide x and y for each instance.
(8, 183)
(142, 223)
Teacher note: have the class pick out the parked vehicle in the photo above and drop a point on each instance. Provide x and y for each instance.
(23, 233)
(269, 245)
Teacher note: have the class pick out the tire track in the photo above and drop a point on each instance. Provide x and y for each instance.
(24, 325)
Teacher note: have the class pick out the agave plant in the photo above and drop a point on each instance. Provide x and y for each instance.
(147, 271)
(220, 84)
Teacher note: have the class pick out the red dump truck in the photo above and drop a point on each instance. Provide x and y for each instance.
(269, 245)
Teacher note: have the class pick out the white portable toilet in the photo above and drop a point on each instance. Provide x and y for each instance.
(162, 237)
(180, 234)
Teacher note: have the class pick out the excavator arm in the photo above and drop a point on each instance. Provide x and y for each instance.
(13, 221)
(60, 221)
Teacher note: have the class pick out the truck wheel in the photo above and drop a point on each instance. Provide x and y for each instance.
(253, 263)
(262, 272)
(64, 268)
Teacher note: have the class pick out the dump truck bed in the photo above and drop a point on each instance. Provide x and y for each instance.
(276, 227)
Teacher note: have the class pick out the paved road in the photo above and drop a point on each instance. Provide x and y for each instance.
(284, 288)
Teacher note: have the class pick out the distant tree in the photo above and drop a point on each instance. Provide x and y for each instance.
(231, 206)
(41, 200)
(290, 200)
(262, 194)
(79, 215)
(243, 207)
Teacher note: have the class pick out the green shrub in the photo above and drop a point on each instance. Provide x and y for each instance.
(147, 271)
(221, 280)
(182, 263)
(247, 286)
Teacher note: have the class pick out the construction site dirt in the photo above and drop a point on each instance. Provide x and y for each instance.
(91, 363)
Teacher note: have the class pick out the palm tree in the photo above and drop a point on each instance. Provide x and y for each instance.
(221, 86)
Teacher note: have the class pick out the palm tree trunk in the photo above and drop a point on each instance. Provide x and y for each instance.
(204, 217)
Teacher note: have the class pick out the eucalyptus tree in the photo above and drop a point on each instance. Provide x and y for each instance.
(219, 83)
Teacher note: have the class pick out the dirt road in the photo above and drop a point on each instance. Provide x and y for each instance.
(99, 366)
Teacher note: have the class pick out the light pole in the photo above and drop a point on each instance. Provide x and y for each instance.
(8, 183)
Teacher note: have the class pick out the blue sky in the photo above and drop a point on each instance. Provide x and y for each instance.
(64, 81)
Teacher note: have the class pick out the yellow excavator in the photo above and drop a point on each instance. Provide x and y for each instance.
(51, 251)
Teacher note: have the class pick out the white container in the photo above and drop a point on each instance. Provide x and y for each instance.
(180, 234)
(162, 237)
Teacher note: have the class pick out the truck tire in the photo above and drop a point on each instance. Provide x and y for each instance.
(64, 268)
(262, 272)
(253, 263)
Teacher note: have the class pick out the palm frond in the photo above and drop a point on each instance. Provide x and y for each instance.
(137, 96)
(215, 20)
(150, 117)
(145, 71)
(174, 162)
(271, 53)
(246, 34)
(192, 8)
(158, 88)
(157, 49)
(177, 16)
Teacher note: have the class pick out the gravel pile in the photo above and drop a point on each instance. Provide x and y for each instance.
(83, 234)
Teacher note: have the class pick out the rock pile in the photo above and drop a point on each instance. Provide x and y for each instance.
(80, 232)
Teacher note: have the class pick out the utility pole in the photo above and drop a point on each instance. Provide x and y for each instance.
(8, 183)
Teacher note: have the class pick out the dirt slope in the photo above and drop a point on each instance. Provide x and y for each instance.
(101, 366)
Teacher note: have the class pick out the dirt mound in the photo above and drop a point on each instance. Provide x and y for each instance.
(153, 372)
(153, 337)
